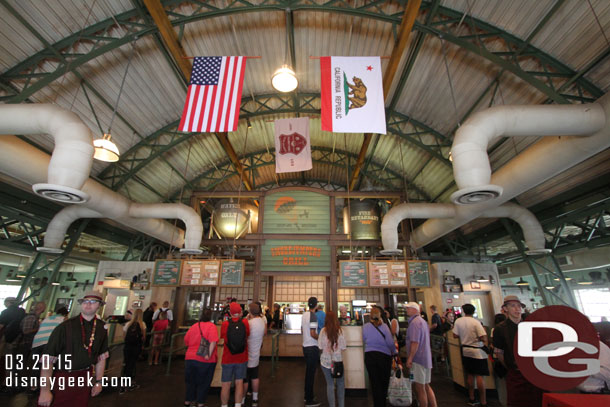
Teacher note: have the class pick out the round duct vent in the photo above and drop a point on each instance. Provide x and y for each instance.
(60, 193)
(191, 251)
(50, 250)
(475, 195)
(390, 252)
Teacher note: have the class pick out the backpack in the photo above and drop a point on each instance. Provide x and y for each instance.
(236, 337)
(133, 335)
(13, 329)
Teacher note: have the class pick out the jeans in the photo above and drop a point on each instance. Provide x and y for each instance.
(378, 366)
(312, 360)
(198, 377)
(130, 357)
(330, 388)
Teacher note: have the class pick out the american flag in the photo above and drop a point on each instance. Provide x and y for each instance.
(214, 95)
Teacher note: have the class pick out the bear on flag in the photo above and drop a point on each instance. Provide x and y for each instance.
(352, 95)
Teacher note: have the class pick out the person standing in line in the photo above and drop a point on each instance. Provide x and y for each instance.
(46, 328)
(435, 322)
(331, 342)
(77, 345)
(321, 316)
(379, 348)
(147, 317)
(258, 329)
(309, 327)
(520, 392)
(135, 332)
(159, 328)
(28, 327)
(423, 313)
(419, 356)
(199, 370)
(234, 355)
(277, 322)
(10, 319)
(474, 359)
(164, 308)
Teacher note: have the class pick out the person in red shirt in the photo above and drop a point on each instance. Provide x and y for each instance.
(159, 328)
(199, 370)
(234, 355)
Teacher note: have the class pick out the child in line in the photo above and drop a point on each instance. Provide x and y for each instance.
(159, 328)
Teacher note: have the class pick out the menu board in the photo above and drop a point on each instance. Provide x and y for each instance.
(397, 273)
(353, 273)
(379, 275)
(387, 274)
(419, 273)
(232, 273)
(200, 272)
(167, 273)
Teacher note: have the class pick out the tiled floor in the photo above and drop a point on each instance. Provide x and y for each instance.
(286, 389)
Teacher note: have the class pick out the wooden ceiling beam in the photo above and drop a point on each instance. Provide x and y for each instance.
(406, 26)
(170, 38)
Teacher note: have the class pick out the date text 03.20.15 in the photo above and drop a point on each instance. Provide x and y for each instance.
(37, 362)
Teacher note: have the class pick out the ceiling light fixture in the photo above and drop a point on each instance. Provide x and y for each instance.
(482, 279)
(248, 123)
(522, 282)
(284, 79)
(584, 282)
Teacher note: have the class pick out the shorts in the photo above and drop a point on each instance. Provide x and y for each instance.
(158, 339)
(421, 374)
(252, 373)
(477, 367)
(232, 371)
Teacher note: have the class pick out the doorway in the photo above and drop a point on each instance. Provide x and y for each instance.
(483, 307)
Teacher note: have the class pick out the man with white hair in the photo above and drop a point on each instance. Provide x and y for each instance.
(419, 356)
(75, 347)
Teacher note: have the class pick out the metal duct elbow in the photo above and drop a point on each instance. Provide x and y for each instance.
(389, 226)
(72, 156)
(192, 221)
(58, 227)
(532, 230)
(471, 167)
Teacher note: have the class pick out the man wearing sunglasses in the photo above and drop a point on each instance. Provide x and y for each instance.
(75, 347)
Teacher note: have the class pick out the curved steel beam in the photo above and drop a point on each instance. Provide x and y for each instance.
(32, 75)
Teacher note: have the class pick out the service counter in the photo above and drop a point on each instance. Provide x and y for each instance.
(291, 345)
(457, 370)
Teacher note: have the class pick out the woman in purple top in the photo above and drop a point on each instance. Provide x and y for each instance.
(378, 351)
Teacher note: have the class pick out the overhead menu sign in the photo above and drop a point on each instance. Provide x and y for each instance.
(200, 272)
(353, 274)
(295, 255)
(232, 273)
(301, 212)
(419, 273)
(387, 274)
(167, 273)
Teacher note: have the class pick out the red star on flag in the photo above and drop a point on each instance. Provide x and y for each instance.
(369, 68)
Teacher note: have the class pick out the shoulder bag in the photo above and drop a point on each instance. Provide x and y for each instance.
(204, 344)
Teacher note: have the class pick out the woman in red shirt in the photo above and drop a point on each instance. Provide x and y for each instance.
(159, 328)
(199, 370)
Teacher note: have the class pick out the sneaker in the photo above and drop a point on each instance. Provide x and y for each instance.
(254, 403)
(313, 403)
(473, 403)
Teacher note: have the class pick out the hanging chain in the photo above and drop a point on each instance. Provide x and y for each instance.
(116, 105)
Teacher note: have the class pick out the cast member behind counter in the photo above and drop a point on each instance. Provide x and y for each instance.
(77, 348)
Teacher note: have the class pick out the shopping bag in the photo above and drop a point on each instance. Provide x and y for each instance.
(399, 392)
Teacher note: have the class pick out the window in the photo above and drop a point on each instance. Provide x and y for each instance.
(478, 312)
(593, 302)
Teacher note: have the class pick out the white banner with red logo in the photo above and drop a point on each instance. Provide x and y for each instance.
(292, 146)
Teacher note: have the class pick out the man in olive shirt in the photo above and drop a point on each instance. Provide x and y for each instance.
(74, 347)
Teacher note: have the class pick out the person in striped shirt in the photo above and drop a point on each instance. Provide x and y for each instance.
(46, 327)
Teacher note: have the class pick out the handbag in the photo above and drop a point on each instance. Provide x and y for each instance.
(204, 345)
(336, 369)
(399, 391)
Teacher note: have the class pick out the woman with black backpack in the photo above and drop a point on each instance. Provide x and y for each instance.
(135, 332)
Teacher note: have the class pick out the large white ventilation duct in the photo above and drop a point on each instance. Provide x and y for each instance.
(543, 160)
(72, 157)
(532, 231)
(109, 204)
(471, 167)
(56, 229)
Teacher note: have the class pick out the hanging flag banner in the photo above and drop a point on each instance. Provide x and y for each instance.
(292, 146)
(214, 95)
(352, 95)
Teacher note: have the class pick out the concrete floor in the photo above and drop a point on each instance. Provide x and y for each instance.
(286, 389)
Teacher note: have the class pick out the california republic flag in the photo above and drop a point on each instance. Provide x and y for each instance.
(352, 95)
(292, 147)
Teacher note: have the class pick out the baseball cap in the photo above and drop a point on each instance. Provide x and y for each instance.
(235, 308)
(92, 295)
(312, 302)
(413, 305)
(510, 298)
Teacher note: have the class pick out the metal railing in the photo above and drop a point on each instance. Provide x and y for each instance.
(275, 352)
(172, 350)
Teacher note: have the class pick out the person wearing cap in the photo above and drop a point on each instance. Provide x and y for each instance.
(75, 347)
(419, 356)
(234, 366)
(520, 392)
(309, 329)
